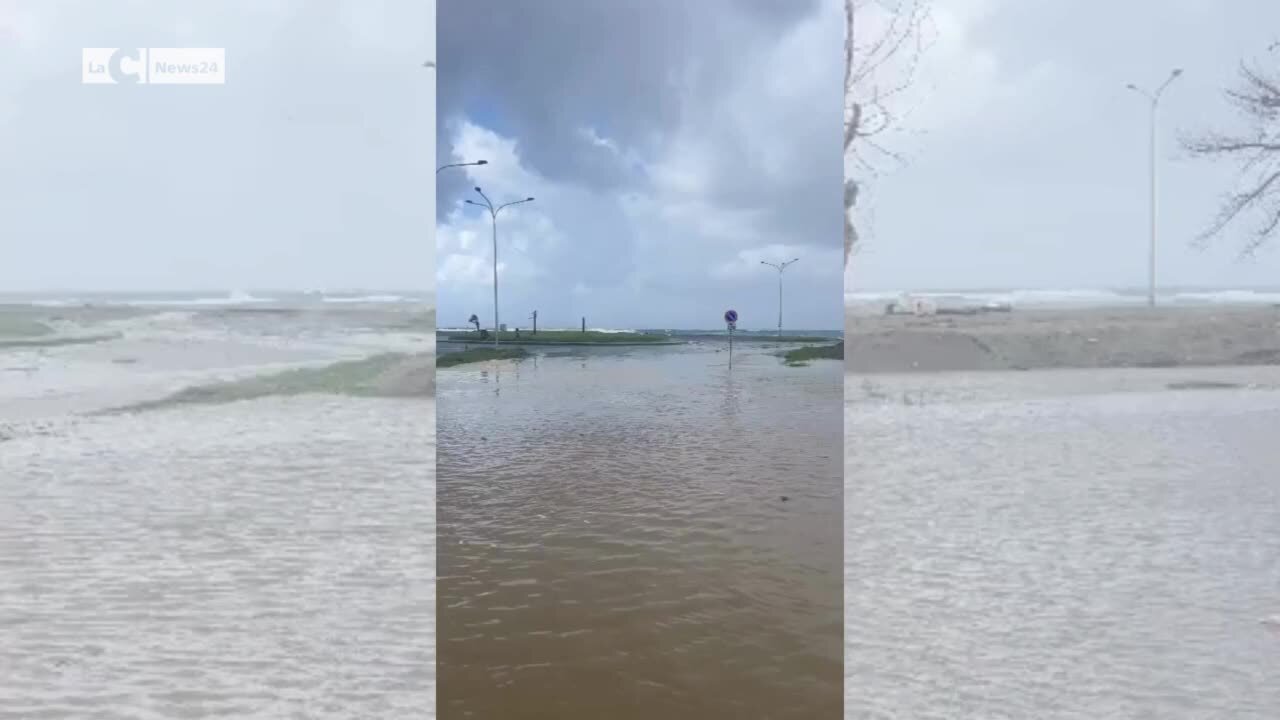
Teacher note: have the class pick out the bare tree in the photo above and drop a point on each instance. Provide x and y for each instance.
(877, 70)
(1255, 150)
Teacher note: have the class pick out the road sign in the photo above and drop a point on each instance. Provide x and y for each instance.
(731, 319)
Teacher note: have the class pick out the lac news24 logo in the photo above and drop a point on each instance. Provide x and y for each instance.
(153, 66)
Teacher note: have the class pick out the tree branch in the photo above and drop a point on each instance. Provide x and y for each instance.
(877, 72)
(1256, 152)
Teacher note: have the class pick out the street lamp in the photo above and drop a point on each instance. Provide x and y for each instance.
(493, 215)
(464, 164)
(1154, 98)
(779, 268)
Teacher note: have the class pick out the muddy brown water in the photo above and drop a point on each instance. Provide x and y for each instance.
(613, 540)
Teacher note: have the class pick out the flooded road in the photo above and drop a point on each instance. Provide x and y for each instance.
(1063, 544)
(613, 540)
(254, 539)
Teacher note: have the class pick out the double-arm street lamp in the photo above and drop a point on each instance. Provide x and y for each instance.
(1154, 97)
(493, 215)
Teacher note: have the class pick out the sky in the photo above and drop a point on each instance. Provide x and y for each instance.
(670, 146)
(310, 169)
(1025, 157)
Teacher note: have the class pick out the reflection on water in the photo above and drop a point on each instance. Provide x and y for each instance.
(1062, 545)
(613, 542)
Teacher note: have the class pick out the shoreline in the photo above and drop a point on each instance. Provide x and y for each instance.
(1064, 339)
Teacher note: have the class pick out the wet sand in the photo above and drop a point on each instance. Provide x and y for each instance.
(1042, 339)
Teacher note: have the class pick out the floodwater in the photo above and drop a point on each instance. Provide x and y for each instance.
(242, 543)
(1078, 544)
(613, 541)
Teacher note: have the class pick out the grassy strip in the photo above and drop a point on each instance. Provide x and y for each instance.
(20, 327)
(802, 356)
(47, 342)
(784, 339)
(553, 336)
(480, 355)
(358, 378)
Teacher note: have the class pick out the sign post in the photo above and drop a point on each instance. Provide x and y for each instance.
(731, 320)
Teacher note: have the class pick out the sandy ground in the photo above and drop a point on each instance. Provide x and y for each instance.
(1094, 338)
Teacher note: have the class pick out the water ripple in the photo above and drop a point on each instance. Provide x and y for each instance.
(266, 559)
(1062, 545)
(613, 542)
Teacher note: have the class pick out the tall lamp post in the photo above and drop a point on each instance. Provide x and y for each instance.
(1154, 98)
(779, 268)
(463, 164)
(493, 215)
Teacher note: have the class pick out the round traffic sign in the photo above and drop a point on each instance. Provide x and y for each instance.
(731, 316)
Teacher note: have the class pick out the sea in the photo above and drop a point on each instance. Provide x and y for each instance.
(217, 504)
(1062, 544)
(874, 301)
(640, 532)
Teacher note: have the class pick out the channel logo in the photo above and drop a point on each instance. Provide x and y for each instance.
(153, 66)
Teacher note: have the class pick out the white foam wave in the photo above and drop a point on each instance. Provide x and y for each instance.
(1068, 298)
(1229, 297)
(371, 299)
(230, 299)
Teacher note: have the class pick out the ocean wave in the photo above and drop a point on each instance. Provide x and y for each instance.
(1070, 297)
(366, 299)
(1230, 297)
(232, 298)
(1083, 296)
(388, 375)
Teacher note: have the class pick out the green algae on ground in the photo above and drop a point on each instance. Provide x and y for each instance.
(13, 326)
(480, 355)
(388, 375)
(782, 338)
(801, 356)
(549, 337)
(56, 341)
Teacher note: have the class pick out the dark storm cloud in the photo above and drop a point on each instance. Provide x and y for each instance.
(672, 145)
(548, 68)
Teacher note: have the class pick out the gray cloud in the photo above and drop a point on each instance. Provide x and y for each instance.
(663, 141)
(551, 67)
